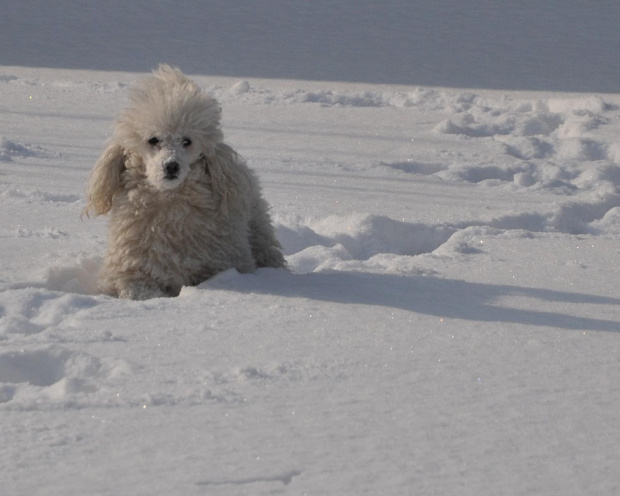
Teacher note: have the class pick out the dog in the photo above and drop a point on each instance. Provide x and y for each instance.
(182, 204)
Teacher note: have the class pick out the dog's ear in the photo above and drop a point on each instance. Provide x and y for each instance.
(228, 181)
(105, 180)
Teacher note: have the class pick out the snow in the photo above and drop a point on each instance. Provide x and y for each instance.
(449, 320)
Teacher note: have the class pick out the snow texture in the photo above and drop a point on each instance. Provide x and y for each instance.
(449, 323)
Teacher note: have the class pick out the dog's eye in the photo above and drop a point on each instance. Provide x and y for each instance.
(186, 142)
(153, 141)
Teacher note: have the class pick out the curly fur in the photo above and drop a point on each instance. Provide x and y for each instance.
(182, 204)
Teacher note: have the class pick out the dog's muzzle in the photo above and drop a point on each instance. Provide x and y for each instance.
(172, 170)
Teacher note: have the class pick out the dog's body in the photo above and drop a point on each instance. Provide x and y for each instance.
(182, 205)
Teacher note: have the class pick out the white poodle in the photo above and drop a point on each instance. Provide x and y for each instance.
(182, 204)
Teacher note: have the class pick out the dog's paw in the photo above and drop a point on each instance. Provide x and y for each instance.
(269, 257)
(141, 291)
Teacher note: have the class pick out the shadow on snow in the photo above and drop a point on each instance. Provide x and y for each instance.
(445, 298)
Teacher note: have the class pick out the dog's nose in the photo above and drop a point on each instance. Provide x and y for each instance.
(172, 170)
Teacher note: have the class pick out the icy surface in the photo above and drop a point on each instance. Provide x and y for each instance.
(448, 323)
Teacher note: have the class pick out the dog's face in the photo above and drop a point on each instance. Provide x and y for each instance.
(168, 157)
(169, 125)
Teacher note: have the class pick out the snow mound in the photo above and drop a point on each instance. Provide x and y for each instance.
(240, 87)
(376, 243)
(367, 238)
(11, 149)
(331, 99)
(547, 144)
(366, 235)
(609, 223)
(78, 276)
(482, 124)
(419, 98)
(52, 375)
(31, 311)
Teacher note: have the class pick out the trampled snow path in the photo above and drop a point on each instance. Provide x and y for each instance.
(448, 324)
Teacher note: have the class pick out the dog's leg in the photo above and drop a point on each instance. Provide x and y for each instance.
(131, 288)
(266, 249)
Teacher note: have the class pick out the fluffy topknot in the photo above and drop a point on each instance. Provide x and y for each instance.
(167, 101)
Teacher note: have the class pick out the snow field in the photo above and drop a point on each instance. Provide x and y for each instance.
(542, 143)
(449, 319)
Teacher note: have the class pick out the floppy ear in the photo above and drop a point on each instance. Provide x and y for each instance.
(228, 181)
(105, 180)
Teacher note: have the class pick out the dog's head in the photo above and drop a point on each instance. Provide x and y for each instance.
(169, 125)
